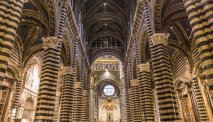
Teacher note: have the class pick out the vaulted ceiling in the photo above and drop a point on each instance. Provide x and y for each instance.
(106, 25)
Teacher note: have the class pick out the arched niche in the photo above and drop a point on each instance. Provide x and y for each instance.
(29, 110)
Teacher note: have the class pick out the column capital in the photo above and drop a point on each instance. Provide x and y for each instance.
(67, 70)
(134, 82)
(85, 93)
(50, 42)
(160, 38)
(77, 85)
(144, 67)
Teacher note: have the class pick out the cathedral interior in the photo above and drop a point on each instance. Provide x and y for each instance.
(106, 61)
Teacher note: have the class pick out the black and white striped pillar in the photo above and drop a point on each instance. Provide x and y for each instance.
(67, 89)
(200, 17)
(49, 74)
(10, 14)
(146, 94)
(77, 102)
(162, 74)
(135, 104)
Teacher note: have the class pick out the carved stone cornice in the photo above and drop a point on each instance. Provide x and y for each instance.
(50, 42)
(67, 70)
(77, 85)
(144, 67)
(160, 38)
(134, 82)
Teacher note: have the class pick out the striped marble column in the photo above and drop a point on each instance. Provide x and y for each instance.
(130, 106)
(123, 99)
(48, 84)
(162, 75)
(10, 14)
(49, 74)
(67, 89)
(208, 10)
(88, 95)
(77, 102)
(200, 106)
(156, 106)
(146, 94)
(200, 17)
(137, 116)
(127, 96)
(85, 107)
(92, 99)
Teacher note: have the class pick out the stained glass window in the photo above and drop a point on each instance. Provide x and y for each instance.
(109, 90)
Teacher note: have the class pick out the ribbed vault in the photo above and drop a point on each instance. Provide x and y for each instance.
(106, 25)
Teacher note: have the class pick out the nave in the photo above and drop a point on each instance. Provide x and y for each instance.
(106, 61)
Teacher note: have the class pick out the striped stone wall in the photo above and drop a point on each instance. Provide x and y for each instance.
(180, 65)
(198, 98)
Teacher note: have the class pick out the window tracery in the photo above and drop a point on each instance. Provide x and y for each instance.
(109, 90)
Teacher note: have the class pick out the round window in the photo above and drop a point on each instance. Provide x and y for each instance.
(109, 90)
